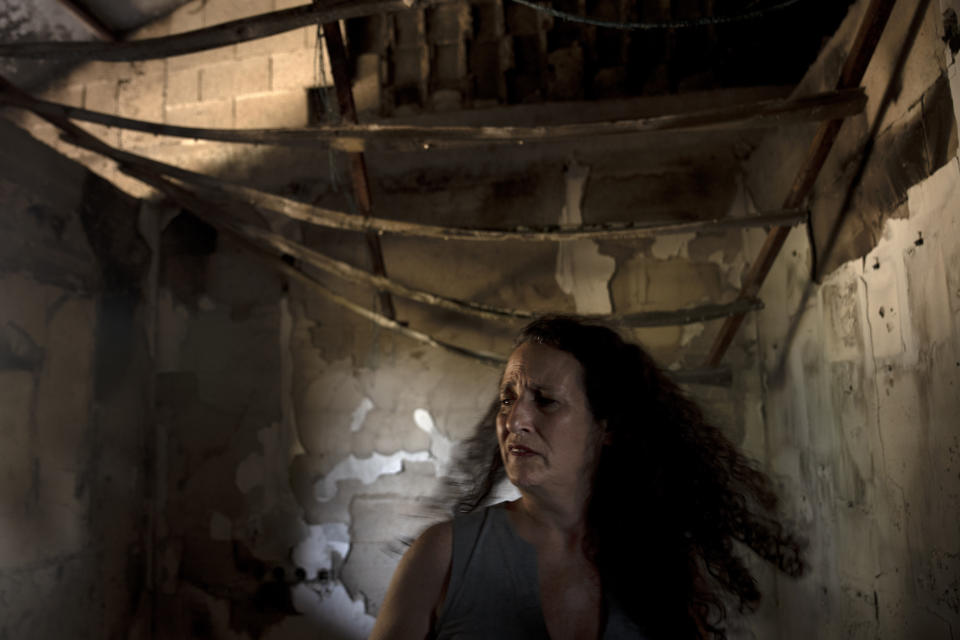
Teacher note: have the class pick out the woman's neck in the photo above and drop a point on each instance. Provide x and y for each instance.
(552, 520)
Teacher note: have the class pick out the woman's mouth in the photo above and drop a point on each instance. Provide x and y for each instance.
(520, 450)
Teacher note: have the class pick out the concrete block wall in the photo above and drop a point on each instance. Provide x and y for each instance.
(257, 84)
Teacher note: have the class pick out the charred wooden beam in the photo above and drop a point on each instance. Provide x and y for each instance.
(220, 35)
(386, 137)
(871, 27)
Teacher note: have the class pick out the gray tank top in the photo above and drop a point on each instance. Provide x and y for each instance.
(494, 588)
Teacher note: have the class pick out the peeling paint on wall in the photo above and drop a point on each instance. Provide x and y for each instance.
(360, 414)
(366, 470)
(316, 552)
(441, 447)
(690, 332)
(330, 608)
(582, 272)
(674, 245)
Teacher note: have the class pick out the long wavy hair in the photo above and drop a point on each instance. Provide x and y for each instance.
(674, 568)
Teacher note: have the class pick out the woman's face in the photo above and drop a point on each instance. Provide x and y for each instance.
(549, 439)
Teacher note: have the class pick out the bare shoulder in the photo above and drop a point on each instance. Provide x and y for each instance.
(418, 586)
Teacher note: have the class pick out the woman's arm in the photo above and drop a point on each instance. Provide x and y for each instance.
(417, 588)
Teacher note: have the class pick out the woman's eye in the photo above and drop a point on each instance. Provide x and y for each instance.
(544, 401)
(506, 402)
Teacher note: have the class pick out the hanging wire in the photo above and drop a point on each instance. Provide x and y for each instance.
(652, 26)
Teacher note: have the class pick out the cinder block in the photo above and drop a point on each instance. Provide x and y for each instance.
(366, 87)
(410, 66)
(234, 78)
(488, 25)
(201, 58)
(156, 29)
(275, 109)
(100, 71)
(450, 62)
(296, 70)
(188, 17)
(220, 11)
(447, 23)
(141, 98)
(446, 100)
(183, 86)
(410, 27)
(212, 113)
(310, 37)
(286, 41)
(524, 21)
(67, 94)
(101, 96)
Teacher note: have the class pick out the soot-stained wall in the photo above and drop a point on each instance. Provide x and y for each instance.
(74, 399)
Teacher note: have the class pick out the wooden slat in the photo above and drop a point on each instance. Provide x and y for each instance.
(220, 35)
(765, 113)
(854, 67)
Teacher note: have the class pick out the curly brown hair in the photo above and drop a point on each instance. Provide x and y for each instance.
(673, 566)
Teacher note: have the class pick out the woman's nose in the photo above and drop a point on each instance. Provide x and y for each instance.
(520, 417)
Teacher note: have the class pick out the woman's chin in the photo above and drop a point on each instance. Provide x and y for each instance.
(522, 479)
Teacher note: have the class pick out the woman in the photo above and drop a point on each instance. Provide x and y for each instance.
(630, 505)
